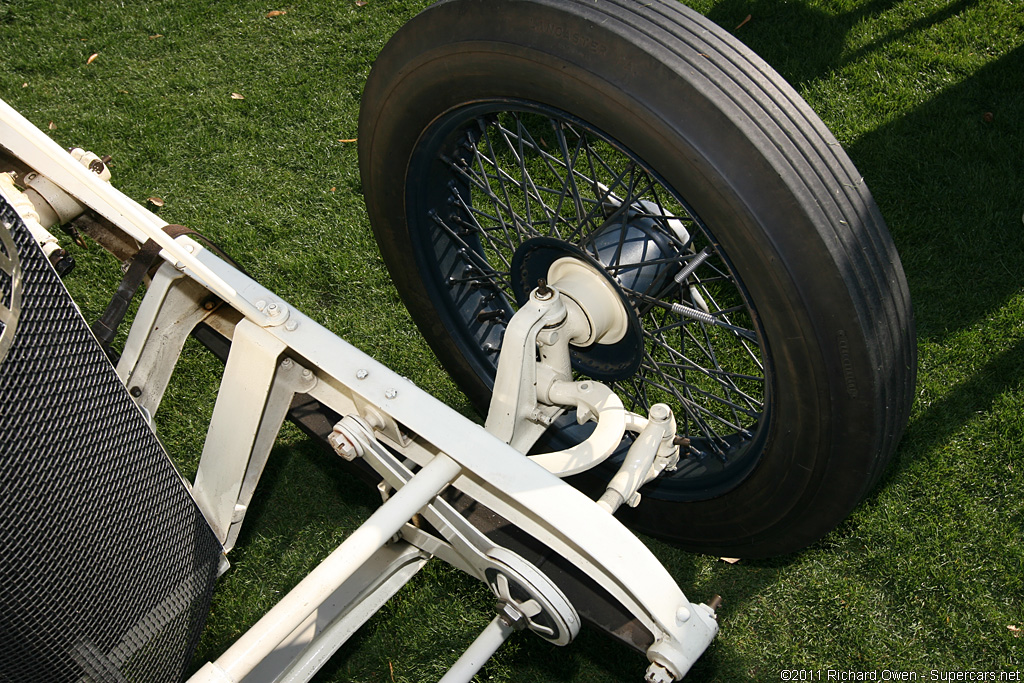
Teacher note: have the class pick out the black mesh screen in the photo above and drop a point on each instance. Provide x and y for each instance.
(106, 564)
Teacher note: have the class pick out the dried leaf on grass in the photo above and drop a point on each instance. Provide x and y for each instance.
(52, 126)
(360, 3)
(277, 12)
(730, 560)
(1015, 630)
(348, 139)
(237, 96)
(155, 201)
(743, 23)
(92, 58)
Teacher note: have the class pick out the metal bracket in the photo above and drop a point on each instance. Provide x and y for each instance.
(254, 398)
(174, 304)
(515, 416)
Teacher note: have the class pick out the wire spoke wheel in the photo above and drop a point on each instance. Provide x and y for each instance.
(765, 302)
(501, 176)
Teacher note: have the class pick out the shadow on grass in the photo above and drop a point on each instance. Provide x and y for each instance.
(949, 179)
(301, 484)
(804, 43)
(948, 176)
(941, 420)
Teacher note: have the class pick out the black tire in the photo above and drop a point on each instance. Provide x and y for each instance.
(801, 266)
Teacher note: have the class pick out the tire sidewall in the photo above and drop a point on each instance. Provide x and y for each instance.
(624, 83)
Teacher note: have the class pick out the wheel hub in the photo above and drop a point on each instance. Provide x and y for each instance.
(634, 256)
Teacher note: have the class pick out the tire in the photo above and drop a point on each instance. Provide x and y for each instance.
(793, 389)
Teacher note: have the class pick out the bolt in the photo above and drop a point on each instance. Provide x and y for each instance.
(273, 310)
(135, 392)
(179, 265)
(547, 337)
(683, 614)
(209, 305)
(390, 393)
(362, 374)
(260, 305)
(287, 363)
(306, 373)
(543, 291)
(681, 441)
(291, 325)
(715, 602)
(541, 418)
(486, 316)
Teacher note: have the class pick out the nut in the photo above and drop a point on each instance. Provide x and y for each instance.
(343, 446)
(656, 673)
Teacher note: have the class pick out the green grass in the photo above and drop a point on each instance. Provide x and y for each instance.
(927, 574)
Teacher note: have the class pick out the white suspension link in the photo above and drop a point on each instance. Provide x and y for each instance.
(652, 453)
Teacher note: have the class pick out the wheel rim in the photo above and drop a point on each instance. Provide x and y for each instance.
(491, 181)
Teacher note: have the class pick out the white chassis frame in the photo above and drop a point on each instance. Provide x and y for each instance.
(276, 352)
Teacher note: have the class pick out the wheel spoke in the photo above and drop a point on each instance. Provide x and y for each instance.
(520, 175)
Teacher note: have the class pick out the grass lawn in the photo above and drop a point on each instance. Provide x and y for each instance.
(240, 122)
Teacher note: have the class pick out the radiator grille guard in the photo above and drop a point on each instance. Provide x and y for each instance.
(106, 564)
